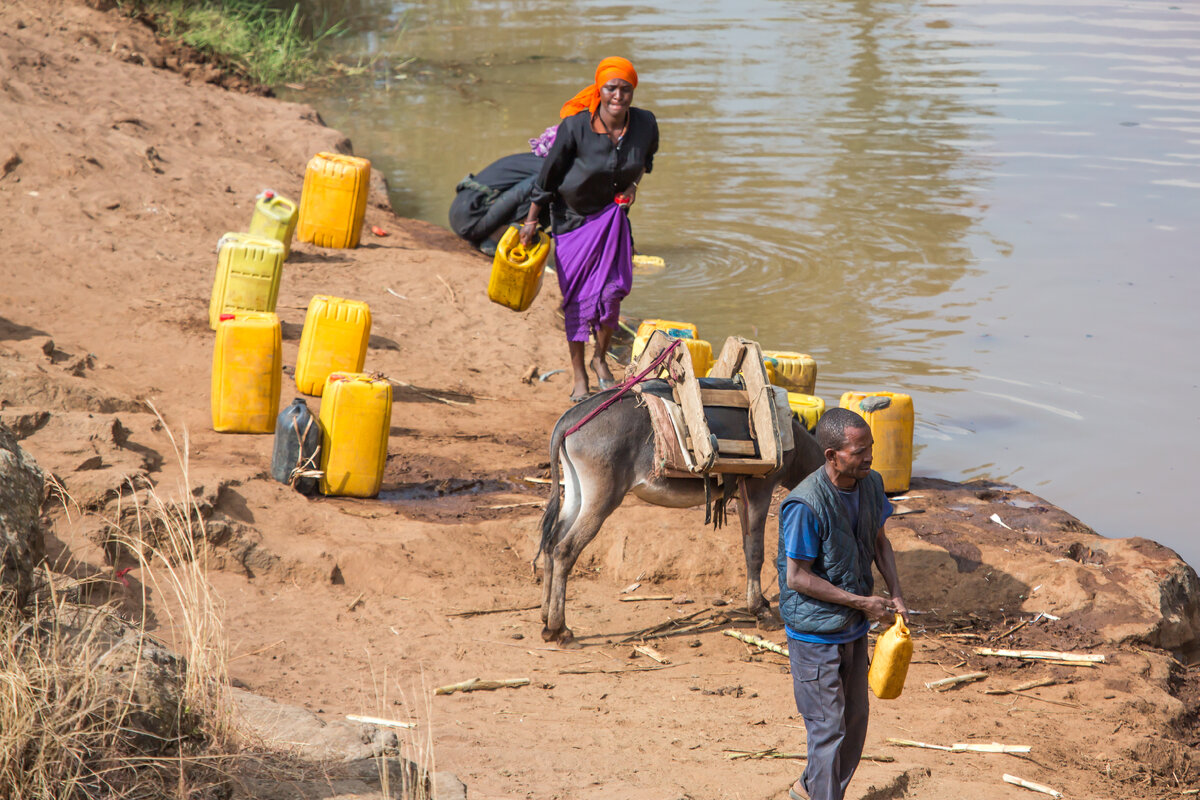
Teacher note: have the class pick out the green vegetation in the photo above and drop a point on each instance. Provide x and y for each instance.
(268, 44)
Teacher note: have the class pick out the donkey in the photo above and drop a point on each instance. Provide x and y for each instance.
(612, 455)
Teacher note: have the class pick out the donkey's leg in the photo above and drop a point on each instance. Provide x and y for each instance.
(754, 501)
(599, 497)
(567, 514)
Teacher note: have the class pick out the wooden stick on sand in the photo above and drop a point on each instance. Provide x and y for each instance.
(481, 612)
(479, 684)
(771, 752)
(946, 683)
(994, 747)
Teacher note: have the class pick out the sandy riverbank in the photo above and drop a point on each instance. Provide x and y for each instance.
(118, 179)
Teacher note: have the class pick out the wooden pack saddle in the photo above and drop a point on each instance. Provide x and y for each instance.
(729, 423)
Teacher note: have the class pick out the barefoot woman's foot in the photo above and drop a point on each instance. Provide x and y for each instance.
(581, 391)
(603, 373)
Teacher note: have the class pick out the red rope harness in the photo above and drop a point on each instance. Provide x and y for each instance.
(625, 387)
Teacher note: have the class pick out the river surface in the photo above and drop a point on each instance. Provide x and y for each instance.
(991, 206)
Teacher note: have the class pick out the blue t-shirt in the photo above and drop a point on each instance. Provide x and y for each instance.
(802, 541)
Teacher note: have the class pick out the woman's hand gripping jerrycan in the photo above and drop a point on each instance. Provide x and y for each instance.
(517, 271)
(889, 665)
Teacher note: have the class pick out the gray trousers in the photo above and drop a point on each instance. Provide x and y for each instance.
(830, 683)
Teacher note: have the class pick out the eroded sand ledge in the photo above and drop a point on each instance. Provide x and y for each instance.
(118, 179)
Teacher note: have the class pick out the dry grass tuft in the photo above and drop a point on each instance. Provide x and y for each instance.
(75, 722)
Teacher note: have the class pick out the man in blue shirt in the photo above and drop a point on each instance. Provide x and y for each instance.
(830, 533)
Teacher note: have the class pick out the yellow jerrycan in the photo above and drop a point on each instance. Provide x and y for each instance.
(701, 350)
(516, 271)
(334, 339)
(246, 373)
(796, 372)
(248, 272)
(808, 407)
(889, 664)
(274, 218)
(890, 415)
(678, 330)
(333, 201)
(356, 417)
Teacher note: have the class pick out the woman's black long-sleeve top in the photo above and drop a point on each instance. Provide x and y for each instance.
(584, 170)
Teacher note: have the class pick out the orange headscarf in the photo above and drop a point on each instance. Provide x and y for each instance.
(589, 98)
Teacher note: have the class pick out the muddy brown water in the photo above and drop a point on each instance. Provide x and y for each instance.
(991, 206)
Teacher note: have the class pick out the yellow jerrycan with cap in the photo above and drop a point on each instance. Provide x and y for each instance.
(517, 271)
(889, 664)
(333, 201)
(335, 337)
(890, 415)
(247, 373)
(796, 372)
(356, 418)
(275, 217)
(248, 271)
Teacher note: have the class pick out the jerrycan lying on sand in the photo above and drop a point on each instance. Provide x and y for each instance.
(796, 372)
(334, 339)
(356, 418)
(248, 272)
(274, 218)
(517, 272)
(297, 447)
(890, 415)
(333, 200)
(808, 407)
(889, 664)
(247, 365)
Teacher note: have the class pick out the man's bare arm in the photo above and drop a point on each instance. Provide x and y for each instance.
(885, 560)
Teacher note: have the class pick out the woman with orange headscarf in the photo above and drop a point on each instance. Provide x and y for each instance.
(590, 177)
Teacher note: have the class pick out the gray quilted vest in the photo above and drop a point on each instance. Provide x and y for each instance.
(845, 555)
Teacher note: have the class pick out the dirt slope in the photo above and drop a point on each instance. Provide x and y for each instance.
(117, 180)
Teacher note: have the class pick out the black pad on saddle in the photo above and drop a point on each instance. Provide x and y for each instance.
(723, 422)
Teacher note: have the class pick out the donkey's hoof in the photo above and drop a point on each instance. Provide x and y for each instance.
(564, 638)
(768, 619)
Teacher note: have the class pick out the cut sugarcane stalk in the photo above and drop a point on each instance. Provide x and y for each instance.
(1036, 787)
(383, 723)
(994, 747)
(757, 641)
(1042, 655)
(650, 652)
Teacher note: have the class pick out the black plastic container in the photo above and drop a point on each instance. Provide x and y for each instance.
(297, 444)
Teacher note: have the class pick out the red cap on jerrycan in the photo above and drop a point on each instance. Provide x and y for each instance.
(224, 317)
(268, 194)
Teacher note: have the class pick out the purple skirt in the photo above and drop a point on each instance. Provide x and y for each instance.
(595, 271)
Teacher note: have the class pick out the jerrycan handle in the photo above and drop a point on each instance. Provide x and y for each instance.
(899, 627)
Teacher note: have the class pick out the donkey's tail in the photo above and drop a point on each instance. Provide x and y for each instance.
(550, 515)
